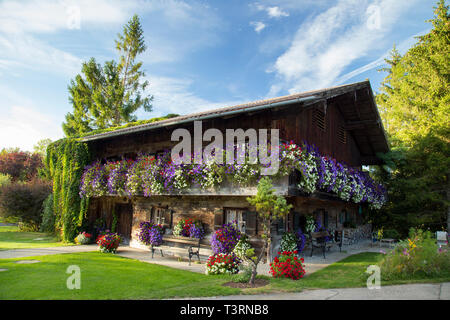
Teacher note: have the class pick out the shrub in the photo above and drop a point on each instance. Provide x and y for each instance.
(150, 233)
(48, 215)
(392, 234)
(244, 275)
(287, 265)
(20, 165)
(288, 242)
(109, 242)
(418, 255)
(83, 238)
(222, 263)
(4, 179)
(225, 239)
(24, 200)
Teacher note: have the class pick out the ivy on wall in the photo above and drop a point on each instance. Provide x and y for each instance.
(66, 159)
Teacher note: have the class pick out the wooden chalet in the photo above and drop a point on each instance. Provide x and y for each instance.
(343, 122)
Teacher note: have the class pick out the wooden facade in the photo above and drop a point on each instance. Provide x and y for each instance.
(342, 122)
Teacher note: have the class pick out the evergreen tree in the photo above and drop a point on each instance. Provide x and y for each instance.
(415, 95)
(415, 106)
(109, 95)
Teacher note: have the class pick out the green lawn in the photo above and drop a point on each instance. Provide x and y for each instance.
(347, 273)
(12, 238)
(103, 276)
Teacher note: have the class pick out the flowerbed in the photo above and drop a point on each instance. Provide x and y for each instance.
(222, 263)
(287, 265)
(417, 255)
(83, 238)
(109, 242)
(148, 175)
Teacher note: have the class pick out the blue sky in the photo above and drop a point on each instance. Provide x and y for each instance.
(201, 54)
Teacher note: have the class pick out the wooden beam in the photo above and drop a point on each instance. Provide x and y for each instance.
(356, 125)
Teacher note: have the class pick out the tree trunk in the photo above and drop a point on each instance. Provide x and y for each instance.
(255, 264)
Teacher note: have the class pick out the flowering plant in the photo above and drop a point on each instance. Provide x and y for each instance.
(189, 228)
(225, 239)
(287, 265)
(301, 240)
(242, 248)
(417, 255)
(109, 242)
(150, 233)
(222, 263)
(83, 238)
(288, 242)
(148, 175)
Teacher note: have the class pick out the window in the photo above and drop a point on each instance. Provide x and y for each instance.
(237, 216)
(163, 216)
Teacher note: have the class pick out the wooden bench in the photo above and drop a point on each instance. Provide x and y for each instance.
(193, 246)
(318, 241)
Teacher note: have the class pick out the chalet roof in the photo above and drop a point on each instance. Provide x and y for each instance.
(356, 103)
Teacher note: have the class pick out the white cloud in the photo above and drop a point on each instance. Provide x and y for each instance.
(172, 95)
(326, 44)
(272, 11)
(276, 12)
(23, 127)
(258, 26)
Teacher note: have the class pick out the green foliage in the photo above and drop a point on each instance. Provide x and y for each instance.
(416, 180)
(24, 200)
(127, 125)
(269, 205)
(391, 234)
(4, 179)
(415, 95)
(66, 159)
(48, 215)
(244, 275)
(415, 106)
(109, 95)
(416, 256)
(41, 147)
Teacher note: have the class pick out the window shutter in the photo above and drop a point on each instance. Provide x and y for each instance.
(251, 226)
(218, 219)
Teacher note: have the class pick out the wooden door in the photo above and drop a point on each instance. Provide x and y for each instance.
(124, 213)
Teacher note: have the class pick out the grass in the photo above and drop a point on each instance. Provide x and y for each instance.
(347, 273)
(103, 276)
(12, 238)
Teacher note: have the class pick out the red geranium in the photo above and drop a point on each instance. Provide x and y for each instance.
(287, 265)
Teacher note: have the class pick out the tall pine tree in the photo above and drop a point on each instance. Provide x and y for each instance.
(415, 107)
(109, 95)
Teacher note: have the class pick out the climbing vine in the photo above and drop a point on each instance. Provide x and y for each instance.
(66, 159)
